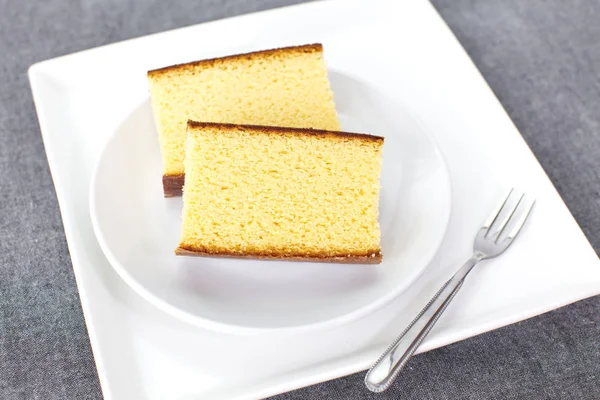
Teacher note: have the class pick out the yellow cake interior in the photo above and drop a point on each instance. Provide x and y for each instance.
(276, 192)
(282, 87)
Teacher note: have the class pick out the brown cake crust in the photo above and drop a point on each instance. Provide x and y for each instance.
(173, 185)
(283, 130)
(375, 257)
(308, 48)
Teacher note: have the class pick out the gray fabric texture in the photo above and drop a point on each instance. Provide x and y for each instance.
(541, 58)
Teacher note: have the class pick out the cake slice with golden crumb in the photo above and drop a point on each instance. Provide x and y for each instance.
(281, 193)
(280, 87)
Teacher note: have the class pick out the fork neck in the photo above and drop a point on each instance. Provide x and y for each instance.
(468, 266)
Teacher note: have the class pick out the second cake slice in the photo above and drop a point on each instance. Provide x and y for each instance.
(281, 193)
(281, 87)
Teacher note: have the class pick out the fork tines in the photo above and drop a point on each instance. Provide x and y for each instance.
(511, 214)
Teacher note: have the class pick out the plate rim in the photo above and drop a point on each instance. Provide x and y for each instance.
(237, 329)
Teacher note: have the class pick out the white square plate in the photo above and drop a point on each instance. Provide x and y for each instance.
(402, 49)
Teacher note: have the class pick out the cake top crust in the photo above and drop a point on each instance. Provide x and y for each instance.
(255, 55)
(281, 130)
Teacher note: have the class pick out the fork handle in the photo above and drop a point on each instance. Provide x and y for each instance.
(389, 365)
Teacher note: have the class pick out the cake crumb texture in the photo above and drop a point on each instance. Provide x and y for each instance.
(281, 193)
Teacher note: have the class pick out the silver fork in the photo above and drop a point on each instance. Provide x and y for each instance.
(490, 241)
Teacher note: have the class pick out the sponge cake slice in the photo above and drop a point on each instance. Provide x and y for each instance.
(281, 193)
(280, 87)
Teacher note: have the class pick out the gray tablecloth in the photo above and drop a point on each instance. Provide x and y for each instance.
(541, 58)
